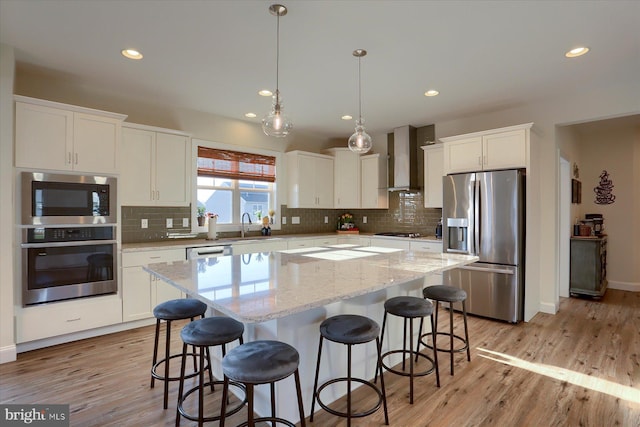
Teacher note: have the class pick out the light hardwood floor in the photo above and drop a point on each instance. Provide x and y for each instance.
(580, 367)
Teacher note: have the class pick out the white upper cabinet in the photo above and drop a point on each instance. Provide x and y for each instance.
(346, 178)
(373, 182)
(433, 172)
(503, 148)
(54, 136)
(155, 167)
(310, 180)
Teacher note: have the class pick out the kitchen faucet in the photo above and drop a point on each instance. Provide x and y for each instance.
(242, 223)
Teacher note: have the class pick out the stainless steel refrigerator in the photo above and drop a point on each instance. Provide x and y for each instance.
(484, 215)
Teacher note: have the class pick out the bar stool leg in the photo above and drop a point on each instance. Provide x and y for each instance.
(451, 334)
(155, 350)
(315, 382)
(410, 358)
(349, 385)
(435, 350)
(166, 363)
(272, 386)
(466, 331)
(250, 421)
(384, 393)
(223, 403)
(299, 393)
(181, 387)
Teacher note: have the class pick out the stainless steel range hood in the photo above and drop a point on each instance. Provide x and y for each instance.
(402, 146)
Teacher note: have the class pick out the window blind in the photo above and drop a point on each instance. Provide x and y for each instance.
(236, 165)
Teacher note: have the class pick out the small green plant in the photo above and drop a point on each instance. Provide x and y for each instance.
(201, 211)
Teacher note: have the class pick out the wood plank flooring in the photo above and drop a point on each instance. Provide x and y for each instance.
(580, 367)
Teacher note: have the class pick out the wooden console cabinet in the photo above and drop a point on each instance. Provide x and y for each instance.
(588, 266)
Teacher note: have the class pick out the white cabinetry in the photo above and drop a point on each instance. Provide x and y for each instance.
(267, 245)
(346, 178)
(312, 242)
(155, 167)
(433, 172)
(389, 242)
(373, 182)
(50, 135)
(310, 180)
(141, 292)
(66, 317)
(503, 148)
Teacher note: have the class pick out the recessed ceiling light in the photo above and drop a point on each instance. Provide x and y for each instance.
(431, 92)
(578, 51)
(131, 54)
(346, 117)
(250, 115)
(265, 92)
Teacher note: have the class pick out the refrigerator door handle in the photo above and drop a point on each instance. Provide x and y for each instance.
(487, 270)
(476, 217)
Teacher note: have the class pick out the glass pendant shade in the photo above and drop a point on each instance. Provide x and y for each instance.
(276, 123)
(360, 141)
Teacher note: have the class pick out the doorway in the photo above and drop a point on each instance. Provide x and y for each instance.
(564, 228)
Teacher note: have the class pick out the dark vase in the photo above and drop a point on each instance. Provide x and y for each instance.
(201, 221)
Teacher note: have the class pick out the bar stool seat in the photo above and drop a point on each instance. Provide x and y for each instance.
(261, 362)
(409, 308)
(205, 333)
(350, 329)
(177, 309)
(450, 294)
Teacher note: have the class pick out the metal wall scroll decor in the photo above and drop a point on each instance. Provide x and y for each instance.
(604, 191)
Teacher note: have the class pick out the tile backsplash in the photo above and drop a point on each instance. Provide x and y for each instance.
(132, 217)
(406, 213)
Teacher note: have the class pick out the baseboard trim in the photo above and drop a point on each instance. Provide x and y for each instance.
(8, 353)
(549, 308)
(80, 335)
(624, 286)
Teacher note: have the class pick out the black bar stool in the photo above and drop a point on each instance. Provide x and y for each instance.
(450, 294)
(409, 308)
(350, 329)
(205, 333)
(261, 362)
(177, 309)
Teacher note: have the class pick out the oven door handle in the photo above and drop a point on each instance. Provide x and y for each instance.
(65, 244)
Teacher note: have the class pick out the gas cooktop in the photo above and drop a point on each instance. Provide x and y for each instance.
(399, 234)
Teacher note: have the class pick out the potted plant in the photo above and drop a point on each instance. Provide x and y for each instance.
(201, 215)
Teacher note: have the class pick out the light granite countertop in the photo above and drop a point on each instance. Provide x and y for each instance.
(192, 242)
(263, 286)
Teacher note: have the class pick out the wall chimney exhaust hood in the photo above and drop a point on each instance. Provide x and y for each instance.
(402, 146)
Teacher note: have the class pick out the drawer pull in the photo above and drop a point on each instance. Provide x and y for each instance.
(74, 320)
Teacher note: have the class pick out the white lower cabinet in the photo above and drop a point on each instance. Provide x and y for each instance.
(312, 242)
(141, 292)
(354, 240)
(242, 248)
(385, 242)
(427, 246)
(66, 317)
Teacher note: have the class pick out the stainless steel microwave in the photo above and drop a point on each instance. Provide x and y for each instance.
(67, 199)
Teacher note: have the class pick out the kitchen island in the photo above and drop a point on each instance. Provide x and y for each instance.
(285, 295)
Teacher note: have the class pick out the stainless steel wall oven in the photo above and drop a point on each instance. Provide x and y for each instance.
(62, 263)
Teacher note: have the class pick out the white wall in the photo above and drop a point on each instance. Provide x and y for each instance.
(7, 340)
(614, 150)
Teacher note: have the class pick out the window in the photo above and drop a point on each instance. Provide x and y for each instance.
(231, 183)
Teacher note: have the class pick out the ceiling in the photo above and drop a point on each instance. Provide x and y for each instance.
(214, 56)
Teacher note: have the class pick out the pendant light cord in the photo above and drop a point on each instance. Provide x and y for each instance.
(278, 59)
(359, 92)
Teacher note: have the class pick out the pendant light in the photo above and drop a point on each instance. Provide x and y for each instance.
(360, 141)
(276, 123)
